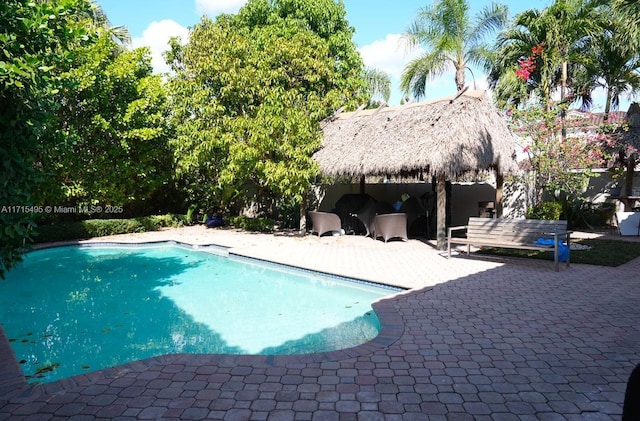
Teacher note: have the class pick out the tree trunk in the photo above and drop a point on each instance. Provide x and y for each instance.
(441, 199)
(628, 181)
(563, 81)
(563, 94)
(499, 185)
(607, 107)
(303, 215)
(460, 78)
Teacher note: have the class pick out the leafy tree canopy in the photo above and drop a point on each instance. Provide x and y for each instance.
(249, 91)
(570, 34)
(111, 128)
(37, 40)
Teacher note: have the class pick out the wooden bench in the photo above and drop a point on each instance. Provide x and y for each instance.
(513, 233)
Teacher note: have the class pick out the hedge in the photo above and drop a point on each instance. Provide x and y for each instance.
(102, 227)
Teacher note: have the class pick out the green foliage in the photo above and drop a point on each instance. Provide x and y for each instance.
(450, 37)
(378, 86)
(581, 214)
(288, 215)
(559, 164)
(249, 92)
(37, 40)
(111, 128)
(593, 43)
(545, 210)
(252, 224)
(102, 227)
(612, 66)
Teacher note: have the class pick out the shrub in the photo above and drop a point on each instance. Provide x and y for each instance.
(589, 215)
(102, 227)
(252, 224)
(550, 211)
(164, 221)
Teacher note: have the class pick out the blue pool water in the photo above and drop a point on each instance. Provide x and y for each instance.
(70, 310)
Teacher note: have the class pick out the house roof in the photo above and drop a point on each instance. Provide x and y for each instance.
(451, 136)
(595, 120)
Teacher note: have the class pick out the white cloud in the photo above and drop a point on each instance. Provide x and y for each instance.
(215, 7)
(388, 54)
(156, 37)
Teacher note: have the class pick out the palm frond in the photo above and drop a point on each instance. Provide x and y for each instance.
(419, 71)
(490, 19)
(378, 84)
(100, 20)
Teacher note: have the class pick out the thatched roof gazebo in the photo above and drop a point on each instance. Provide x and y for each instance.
(443, 138)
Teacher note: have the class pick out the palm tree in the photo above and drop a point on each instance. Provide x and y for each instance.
(378, 85)
(513, 44)
(563, 30)
(99, 18)
(450, 38)
(630, 9)
(612, 66)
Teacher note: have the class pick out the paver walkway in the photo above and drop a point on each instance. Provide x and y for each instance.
(476, 339)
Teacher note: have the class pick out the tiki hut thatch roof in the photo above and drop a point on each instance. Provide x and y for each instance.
(450, 136)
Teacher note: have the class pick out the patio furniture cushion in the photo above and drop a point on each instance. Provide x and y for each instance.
(324, 222)
(369, 212)
(390, 225)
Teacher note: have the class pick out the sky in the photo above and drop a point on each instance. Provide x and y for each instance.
(378, 27)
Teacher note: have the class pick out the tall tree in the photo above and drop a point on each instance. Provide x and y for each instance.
(249, 93)
(119, 33)
(112, 130)
(569, 46)
(561, 32)
(37, 39)
(611, 65)
(631, 10)
(451, 38)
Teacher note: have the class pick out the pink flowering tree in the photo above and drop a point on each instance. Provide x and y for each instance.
(622, 142)
(558, 157)
(560, 166)
(527, 65)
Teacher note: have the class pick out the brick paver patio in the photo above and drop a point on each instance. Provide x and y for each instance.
(474, 339)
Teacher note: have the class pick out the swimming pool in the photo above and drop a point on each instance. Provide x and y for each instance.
(69, 310)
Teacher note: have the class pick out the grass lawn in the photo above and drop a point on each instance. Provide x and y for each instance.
(603, 252)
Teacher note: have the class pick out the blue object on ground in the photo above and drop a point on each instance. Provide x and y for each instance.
(214, 221)
(563, 249)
